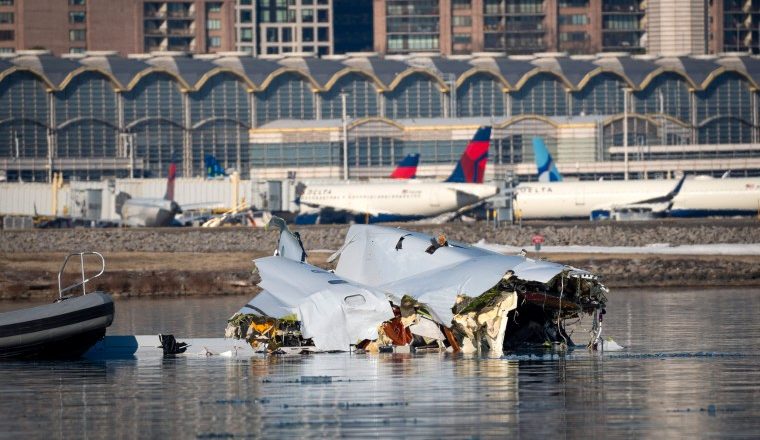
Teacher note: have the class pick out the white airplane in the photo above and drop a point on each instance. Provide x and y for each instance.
(149, 212)
(694, 197)
(403, 200)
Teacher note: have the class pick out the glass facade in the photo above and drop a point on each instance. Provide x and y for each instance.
(416, 96)
(543, 94)
(156, 118)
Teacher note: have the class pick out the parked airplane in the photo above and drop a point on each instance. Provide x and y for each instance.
(148, 211)
(693, 197)
(547, 169)
(407, 168)
(407, 200)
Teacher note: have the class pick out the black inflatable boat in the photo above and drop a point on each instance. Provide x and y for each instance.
(62, 330)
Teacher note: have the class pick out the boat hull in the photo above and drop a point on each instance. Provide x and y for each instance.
(63, 330)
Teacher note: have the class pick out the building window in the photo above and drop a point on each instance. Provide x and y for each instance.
(213, 24)
(214, 7)
(462, 39)
(246, 16)
(307, 34)
(577, 19)
(573, 36)
(76, 17)
(462, 4)
(6, 2)
(323, 34)
(7, 36)
(246, 35)
(462, 20)
(322, 16)
(6, 50)
(215, 42)
(77, 35)
(272, 35)
(77, 50)
(6, 17)
(287, 35)
(76, 2)
(307, 15)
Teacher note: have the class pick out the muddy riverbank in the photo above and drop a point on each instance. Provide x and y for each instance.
(185, 261)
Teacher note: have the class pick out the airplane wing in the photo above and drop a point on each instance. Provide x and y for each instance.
(657, 205)
(351, 207)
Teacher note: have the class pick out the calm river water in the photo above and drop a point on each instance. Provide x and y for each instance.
(690, 368)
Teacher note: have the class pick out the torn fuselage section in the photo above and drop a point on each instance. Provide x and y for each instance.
(519, 313)
(389, 292)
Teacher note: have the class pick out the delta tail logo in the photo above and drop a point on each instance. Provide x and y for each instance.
(407, 168)
(472, 165)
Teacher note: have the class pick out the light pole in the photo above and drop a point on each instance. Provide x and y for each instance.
(625, 133)
(16, 143)
(343, 96)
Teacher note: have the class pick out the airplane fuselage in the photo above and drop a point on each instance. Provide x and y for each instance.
(698, 197)
(149, 212)
(408, 199)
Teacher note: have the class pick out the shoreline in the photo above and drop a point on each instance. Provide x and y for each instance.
(179, 262)
(33, 276)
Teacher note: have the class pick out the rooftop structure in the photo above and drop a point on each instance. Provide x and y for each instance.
(98, 114)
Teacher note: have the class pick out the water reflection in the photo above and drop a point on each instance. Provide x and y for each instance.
(689, 369)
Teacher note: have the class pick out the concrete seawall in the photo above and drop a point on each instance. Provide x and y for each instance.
(331, 237)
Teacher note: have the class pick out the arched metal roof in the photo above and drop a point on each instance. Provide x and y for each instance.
(191, 70)
(752, 67)
(320, 70)
(123, 70)
(385, 70)
(575, 71)
(511, 70)
(698, 69)
(5, 65)
(54, 69)
(635, 69)
(386, 73)
(255, 69)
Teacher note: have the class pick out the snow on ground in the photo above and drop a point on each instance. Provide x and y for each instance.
(655, 249)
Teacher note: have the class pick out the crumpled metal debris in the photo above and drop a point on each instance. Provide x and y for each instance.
(388, 289)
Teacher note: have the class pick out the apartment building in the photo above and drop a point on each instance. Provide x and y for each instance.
(197, 26)
(574, 26)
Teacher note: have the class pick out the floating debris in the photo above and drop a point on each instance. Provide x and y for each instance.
(389, 292)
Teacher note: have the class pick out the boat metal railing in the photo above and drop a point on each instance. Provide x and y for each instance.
(85, 280)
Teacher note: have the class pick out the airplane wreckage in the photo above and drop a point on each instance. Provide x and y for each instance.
(397, 290)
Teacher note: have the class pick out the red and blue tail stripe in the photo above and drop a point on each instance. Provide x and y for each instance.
(407, 168)
(472, 165)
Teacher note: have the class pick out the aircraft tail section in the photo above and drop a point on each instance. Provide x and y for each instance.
(547, 169)
(170, 181)
(213, 168)
(472, 165)
(407, 168)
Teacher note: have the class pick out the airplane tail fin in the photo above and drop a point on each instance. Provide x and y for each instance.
(407, 168)
(547, 169)
(170, 181)
(213, 168)
(472, 165)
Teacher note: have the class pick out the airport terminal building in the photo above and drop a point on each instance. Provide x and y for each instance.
(99, 115)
